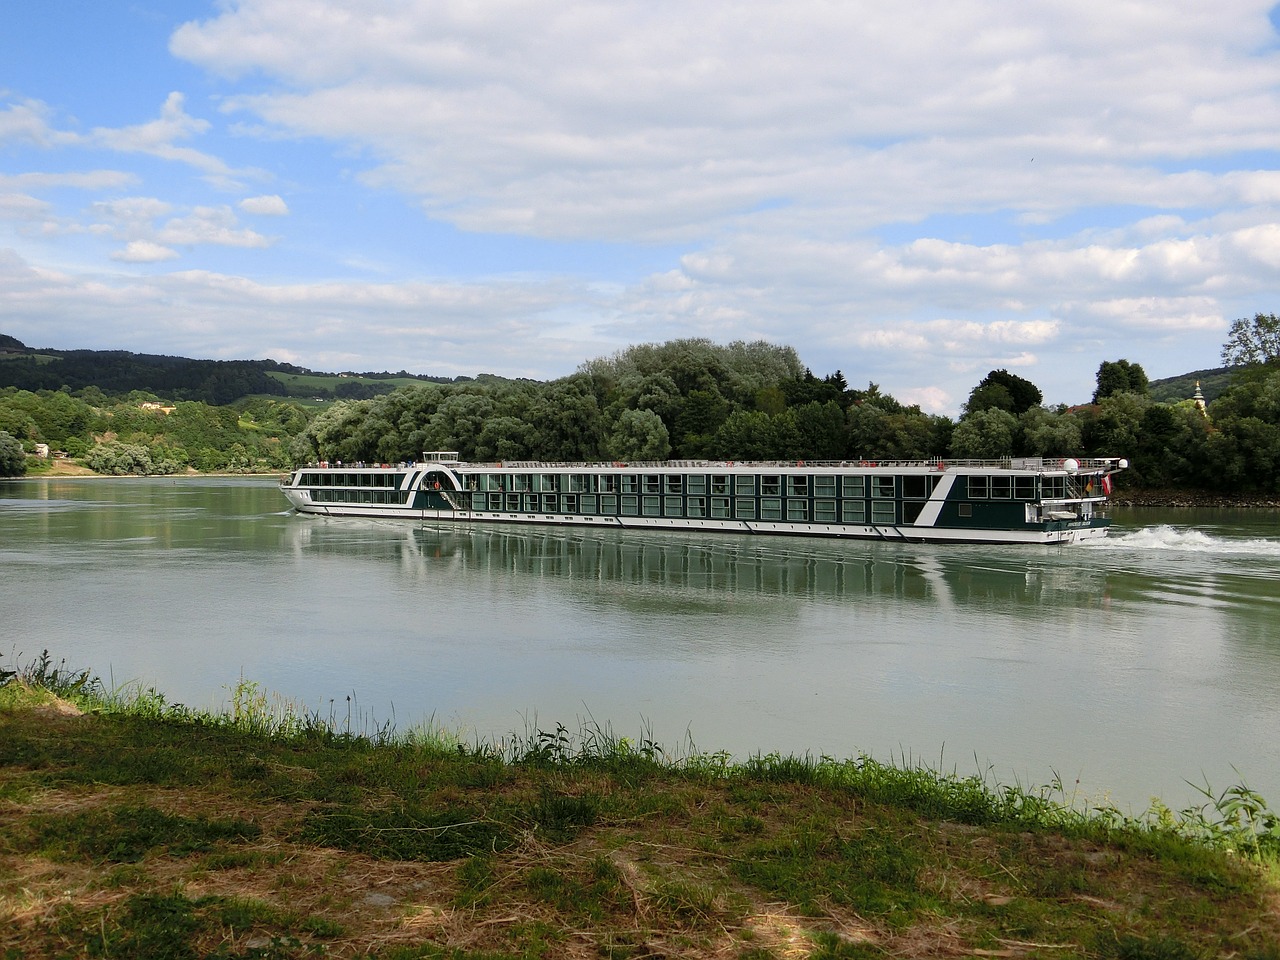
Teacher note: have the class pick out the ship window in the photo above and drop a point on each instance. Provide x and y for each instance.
(882, 486)
(629, 483)
(675, 483)
(797, 509)
(719, 483)
(630, 506)
(589, 502)
(672, 507)
(853, 511)
(824, 511)
(797, 486)
(883, 511)
(745, 509)
(978, 488)
(609, 504)
(521, 482)
(720, 507)
(491, 482)
(1024, 488)
(652, 483)
(771, 509)
(477, 500)
(696, 483)
(608, 483)
(1001, 487)
(570, 502)
(574, 482)
(771, 485)
(824, 486)
(965, 510)
(697, 507)
(550, 503)
(529, 502)
(1054, 488)
(915, 487)
(744, 485)
(513, 502)
(494, 502)
(854, 486)
(651, 505)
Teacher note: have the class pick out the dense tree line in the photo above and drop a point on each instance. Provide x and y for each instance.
(119, 372)
(138, 434)
(693, 399)
(687, 399)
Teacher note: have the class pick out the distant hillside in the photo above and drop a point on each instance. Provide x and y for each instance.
(1213, 383)
(218, 382)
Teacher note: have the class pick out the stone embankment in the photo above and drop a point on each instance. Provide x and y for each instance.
(1193, 498)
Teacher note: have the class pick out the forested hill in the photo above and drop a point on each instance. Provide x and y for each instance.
(119, 372)
(217, 382)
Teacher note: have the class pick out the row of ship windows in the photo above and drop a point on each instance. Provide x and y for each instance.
(1001, 487)
(743, 485)
(716, 508)
(628, 505)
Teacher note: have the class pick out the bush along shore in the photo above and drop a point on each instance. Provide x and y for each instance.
(135, 828)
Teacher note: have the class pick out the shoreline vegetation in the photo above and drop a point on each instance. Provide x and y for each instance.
(134, 827)
(688, 399)
(62, 469)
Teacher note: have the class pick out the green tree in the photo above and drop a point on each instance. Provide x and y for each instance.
(1120, 376)
(984, 435)
(697, 422)
(639, 435)
(118, 459)
(1251, 341)
(745, 435)
(13, 461)
(1046, 433)
(1002, 390)
(820, 429)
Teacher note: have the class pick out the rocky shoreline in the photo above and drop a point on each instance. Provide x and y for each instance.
(1193, 498)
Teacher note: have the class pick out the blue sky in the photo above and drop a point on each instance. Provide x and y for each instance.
(913, 196)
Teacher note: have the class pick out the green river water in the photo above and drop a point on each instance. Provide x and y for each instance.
(1131, 666)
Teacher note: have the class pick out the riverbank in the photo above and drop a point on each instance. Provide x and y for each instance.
(1193, 498)
(136, 829)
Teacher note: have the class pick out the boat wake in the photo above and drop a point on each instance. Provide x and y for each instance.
(1180, 540)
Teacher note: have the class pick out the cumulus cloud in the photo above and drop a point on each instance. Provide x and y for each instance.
(630, 121)
(265, 206)
(216, 225)
(162, 137)
(447, 327)
(144, 251)
(916, 193)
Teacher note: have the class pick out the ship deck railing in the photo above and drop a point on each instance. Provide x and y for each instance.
(1084, 464)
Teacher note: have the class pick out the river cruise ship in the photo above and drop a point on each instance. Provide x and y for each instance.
(969, 501)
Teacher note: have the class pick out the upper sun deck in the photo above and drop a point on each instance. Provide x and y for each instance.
(450, 460)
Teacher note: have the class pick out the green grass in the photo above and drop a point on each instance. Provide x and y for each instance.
(144, 829)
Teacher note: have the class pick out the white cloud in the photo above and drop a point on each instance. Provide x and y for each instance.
(87, 180)
(161, 137)
(640, 120)
(265, 206)
(915, 194)
(144, 251)
(28, 122)
(216, 225)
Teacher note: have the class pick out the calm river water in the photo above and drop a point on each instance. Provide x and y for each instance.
(1131, 666)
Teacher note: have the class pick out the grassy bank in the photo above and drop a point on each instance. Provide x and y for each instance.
(130, 827)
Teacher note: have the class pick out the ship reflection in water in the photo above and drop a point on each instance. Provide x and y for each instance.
(633, 567)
